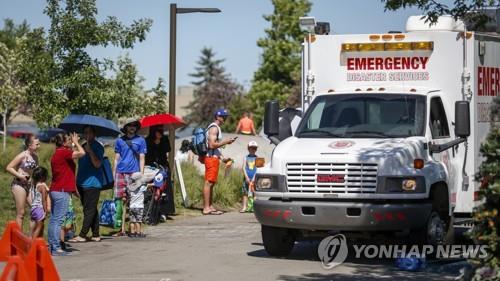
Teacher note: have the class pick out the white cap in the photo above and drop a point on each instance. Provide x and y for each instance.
(253, 144)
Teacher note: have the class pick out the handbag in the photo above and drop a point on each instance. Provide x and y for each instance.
(107, 174)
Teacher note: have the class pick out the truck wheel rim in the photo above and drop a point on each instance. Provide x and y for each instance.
(436, 229)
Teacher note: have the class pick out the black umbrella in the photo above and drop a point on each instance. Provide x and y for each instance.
(77, 122)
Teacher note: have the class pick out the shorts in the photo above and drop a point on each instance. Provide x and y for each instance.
(122, 180)
(37, 214)
(211, 169)
(136, 214)
(245, 189)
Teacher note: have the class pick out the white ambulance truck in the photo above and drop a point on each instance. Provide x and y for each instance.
(389, 139)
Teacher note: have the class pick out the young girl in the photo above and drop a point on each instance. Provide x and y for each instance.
(39, 195)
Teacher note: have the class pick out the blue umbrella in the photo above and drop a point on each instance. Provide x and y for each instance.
(76, 123)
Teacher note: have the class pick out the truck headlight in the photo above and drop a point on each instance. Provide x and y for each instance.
(411, 184)
(264, 183)
(270, 183)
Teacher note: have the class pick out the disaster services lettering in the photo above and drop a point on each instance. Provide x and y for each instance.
(365, 69)
(387, 63)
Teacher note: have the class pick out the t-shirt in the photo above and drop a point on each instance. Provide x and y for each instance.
(63, 170)
(137, 197)
(89, 176)
(246, 125)
(129, 160)
(157, 153)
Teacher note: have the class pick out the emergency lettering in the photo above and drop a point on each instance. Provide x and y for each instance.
(488, 81)
(387, 63)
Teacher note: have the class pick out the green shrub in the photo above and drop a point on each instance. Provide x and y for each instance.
(227, 191)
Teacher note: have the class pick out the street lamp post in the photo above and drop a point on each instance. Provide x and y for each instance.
(172, 69)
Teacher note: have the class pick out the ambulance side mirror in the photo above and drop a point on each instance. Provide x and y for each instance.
(462, 119)
(271, 120)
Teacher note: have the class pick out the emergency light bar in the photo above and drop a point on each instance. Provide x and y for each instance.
(389, 46)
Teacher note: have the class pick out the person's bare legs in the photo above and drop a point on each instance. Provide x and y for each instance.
(207, 191)
(133, 229)
(244, 204)
(124, 210)
(37, 230)
(20, 197)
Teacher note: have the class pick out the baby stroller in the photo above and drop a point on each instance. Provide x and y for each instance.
(154, 197)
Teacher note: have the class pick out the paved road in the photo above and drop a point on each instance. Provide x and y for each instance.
(226, 247)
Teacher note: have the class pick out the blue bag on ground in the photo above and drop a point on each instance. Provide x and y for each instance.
(411, 263)
(107, 213)
(199, 142)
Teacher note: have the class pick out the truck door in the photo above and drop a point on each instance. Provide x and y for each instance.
(440, 131)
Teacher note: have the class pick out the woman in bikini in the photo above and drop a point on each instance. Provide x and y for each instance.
(21, 168)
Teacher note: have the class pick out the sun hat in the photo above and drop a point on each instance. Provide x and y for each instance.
(135, 181)
(131, 122)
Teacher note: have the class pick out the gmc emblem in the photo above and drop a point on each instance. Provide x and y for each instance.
(330, 178)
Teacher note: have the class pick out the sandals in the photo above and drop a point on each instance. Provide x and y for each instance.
(95, 239)
(77, 239)
(119, 234)
(213, 213)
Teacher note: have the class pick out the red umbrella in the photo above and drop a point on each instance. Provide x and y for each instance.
(166, 119)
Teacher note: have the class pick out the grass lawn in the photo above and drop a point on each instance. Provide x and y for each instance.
(226, 193)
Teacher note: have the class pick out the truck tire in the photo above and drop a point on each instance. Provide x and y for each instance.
(437, 231)
(277, 241)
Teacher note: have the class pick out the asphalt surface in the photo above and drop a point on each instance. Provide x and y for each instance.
(225, 247)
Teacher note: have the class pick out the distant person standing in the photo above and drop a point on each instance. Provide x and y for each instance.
(249, 170)
(158, 148)
(245, 125)
(63, 185)
(89, 182)
(21, 168)
(130, 151)
(214, 141)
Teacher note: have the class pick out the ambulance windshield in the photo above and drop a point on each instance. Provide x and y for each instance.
(364, 116)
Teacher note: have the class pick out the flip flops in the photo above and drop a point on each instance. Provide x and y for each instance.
(216, 213)
(77, 239)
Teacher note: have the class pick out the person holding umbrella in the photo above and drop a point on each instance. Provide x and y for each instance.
(130, 151)
(89, 182)
(158, 147)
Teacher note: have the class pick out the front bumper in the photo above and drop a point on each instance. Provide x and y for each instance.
(342, 215)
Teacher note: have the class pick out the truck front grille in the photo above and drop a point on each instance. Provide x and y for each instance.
(332, 177)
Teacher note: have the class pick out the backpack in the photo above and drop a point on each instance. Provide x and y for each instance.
(199, 141)
(107, 213)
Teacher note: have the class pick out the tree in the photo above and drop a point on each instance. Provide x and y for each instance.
(67, 79)
(214, 89)
(278, 76)
(486, 220)
(154, 101)
(461, 9)
(12, 89)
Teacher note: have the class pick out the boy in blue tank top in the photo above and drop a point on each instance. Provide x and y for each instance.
(249, 171)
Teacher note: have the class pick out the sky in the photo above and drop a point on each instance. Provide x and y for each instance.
(232, 34)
